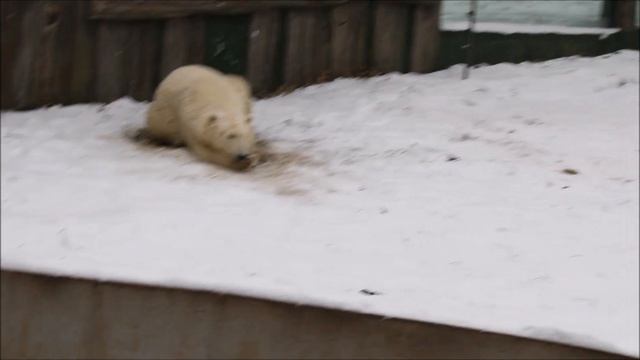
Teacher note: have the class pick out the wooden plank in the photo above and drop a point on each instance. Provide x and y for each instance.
(12, 13)
(175, 45)
(197, 40)
(390, 32)
(61, 18)
(83, 77)
(227, 43)
(111, 61)
(349, 38)
(307, 47)
(142, 54)
(619, 13)
(264, 42)
(118, 9)
(46, 56)
(25, 75)
(183, 43)
(45, 61)
(623, 14)
(426, 38)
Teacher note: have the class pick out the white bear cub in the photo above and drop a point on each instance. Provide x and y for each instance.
(209, 112)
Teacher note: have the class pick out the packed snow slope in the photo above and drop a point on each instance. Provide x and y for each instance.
(507, 202)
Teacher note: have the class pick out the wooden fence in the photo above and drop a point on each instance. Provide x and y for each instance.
(64, 52)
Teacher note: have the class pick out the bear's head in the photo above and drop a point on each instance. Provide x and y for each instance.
(228, 139)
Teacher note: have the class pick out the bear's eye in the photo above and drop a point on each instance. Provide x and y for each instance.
(249, 119)
(232, 136)
(212, 119)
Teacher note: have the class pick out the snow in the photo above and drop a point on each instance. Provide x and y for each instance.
(580, 13)
(508, 28)
(530, 17)
(423, 197)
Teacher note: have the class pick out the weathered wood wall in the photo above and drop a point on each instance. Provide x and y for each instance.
(47, 317)
(64, 52)
(620, 13)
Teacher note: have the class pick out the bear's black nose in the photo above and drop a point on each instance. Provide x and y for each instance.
(241, 157)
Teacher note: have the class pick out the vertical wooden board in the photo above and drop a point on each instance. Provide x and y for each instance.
(390, 34)
(83, 77)
(113, 38)
(12, 13)
(264, 42)
(44, 62)
(142, 54)
(183, 43)
(623, 14)
(175, 45)
(349, 38)
(306, 58)
(61, 18)
(197, 28)
(25, 75)
(292, 60)
(45, 59)
(426, 38)
(227, 42)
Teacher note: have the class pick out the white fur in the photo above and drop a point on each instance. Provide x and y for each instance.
(207, 111)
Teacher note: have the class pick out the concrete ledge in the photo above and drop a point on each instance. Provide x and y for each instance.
(494, 48)
(54, 317)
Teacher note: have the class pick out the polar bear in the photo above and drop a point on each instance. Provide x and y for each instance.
(208, 111)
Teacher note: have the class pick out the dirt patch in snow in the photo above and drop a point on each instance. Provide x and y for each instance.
(281, 169)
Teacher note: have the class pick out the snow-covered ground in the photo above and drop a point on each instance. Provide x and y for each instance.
(507, 202)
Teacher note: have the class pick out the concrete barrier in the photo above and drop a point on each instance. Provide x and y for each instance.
(56, 317)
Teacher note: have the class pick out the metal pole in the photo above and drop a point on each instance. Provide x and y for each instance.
(471, 15)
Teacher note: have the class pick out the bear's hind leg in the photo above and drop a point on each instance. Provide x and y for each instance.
(162, 125)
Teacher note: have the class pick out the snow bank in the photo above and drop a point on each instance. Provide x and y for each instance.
(508, 28)
(506, 202)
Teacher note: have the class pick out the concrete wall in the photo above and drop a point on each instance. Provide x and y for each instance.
(495, 48)
(53, 317)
